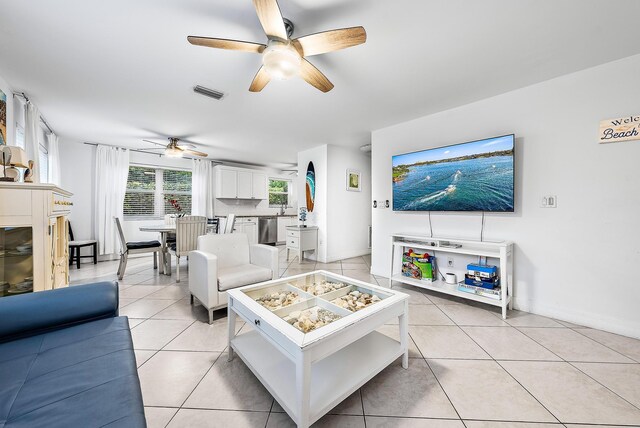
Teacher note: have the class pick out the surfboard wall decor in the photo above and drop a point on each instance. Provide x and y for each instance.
(311, 186)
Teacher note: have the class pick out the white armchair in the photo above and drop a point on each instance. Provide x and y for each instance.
(227, 261)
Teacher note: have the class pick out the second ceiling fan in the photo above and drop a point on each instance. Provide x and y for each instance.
(177, 148)
(283, 57)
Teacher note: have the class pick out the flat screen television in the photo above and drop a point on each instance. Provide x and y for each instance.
(473, 176)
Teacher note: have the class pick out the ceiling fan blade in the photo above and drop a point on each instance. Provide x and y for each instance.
(271, 19)
(260, 80)
(182, 145)
(195, 153)
(329, 41)
(314, 77)
(153, 142)
(234, 45)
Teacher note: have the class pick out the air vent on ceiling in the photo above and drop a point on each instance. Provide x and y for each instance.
(217, 95)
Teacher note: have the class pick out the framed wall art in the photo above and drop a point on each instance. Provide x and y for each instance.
(354, 180)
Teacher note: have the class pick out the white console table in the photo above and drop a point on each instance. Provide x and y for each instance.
(501, 251)
(301, 239)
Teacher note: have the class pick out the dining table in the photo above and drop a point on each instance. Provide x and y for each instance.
(164, 230)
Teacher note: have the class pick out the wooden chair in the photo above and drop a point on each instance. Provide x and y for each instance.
(76, 246)
(188, 229)
(135, 248)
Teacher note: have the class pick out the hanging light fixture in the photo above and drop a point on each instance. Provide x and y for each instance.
(281, 61)
(172, 150)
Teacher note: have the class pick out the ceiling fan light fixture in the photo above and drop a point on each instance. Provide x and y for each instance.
(173, 152)
(281, 61)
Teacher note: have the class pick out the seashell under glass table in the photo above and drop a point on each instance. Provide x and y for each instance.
(306, 333)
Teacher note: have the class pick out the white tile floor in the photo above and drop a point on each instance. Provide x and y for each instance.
(467, 368)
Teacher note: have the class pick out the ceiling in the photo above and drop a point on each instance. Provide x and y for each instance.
(119, 71)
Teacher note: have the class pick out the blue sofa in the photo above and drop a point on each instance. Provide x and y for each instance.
(66, 360)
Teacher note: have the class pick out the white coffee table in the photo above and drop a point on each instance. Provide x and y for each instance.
(310, 373)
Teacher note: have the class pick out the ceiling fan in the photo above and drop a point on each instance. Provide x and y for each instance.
(177, 149)
(283, 57)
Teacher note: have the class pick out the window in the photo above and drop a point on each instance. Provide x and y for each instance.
(279, 192)
(149, 191)
(177, 187)
(139, 199)
(43, 160)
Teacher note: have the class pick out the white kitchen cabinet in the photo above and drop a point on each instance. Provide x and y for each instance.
(248, 226)
(245, 185)
(259, 185)
(240, 183)
(227, 184)
(251, 229)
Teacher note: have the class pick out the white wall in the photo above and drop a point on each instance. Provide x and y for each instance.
(342, 217)
(317, 155)
(348, 213)
(77, 164)
(577, 262)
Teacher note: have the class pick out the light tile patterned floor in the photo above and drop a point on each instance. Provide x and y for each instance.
(468, 368)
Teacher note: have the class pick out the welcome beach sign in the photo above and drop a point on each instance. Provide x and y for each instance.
(623, 129)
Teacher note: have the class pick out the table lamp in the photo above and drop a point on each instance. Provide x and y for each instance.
(13, 157)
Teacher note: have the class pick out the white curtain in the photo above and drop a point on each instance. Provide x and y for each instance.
(54, 159)
(31, 133)
(202, 188)
(112, 170)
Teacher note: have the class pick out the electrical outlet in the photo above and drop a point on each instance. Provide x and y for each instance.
(549, 201)
(450, 262)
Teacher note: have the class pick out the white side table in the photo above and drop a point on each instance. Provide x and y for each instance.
(301, 239)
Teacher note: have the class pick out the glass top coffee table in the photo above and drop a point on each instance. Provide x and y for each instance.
(314, 340)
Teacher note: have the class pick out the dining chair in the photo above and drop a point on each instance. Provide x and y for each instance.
(76, 246)
(230, 224)
(138, 247)
(212, 225)
(188, 229)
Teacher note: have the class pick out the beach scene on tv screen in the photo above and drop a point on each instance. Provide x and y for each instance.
(475, 176)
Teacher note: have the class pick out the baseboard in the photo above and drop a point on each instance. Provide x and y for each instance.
(379, 273)
(612, 325)
(347, 255)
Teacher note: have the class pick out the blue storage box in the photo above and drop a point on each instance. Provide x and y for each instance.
(482, 271)
(489, 283)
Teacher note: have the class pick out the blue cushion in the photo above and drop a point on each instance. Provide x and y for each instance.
(35, 313)
(84, 375)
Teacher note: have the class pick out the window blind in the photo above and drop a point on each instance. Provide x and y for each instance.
(139, 200)
(150, 190)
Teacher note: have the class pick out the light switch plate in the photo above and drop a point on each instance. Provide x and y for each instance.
(549, 201)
